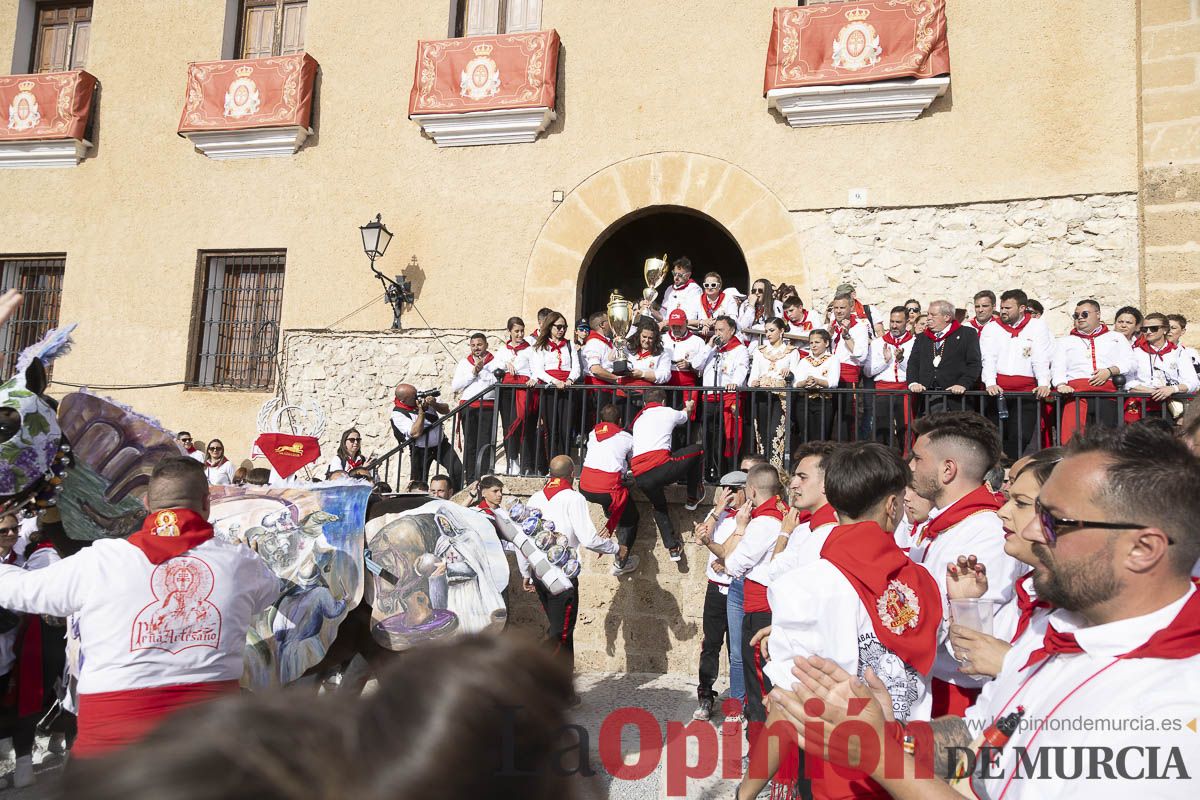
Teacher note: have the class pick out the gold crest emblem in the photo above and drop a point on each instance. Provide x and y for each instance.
(480, 77)
(23, 112)
(295, 449)
(166, 524)
(898, 607)
(242, 98)
(857, 44)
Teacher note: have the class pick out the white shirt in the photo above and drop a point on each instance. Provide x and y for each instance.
(595, 353)
(680, 298)
(1076, 357)
(894, 369)
(610, 455)
(981, 535)
(197, 454)
(803, 547)
(691, 348)
(829, 370)
(751, 559)
(747, 319)
(568, 510)
(467, 383)
(1027, 354)
(726, 304)
(137, 632)
(220, 475)
(403, 421)
(513, 361)
(816, 611)
(727, 368)
(803, 328)
(724, 529)
(38, 558)
(851, 347)
(1156, 370)
(771, 363)
(653, 426)
(1142, 700)
(557, 358)
(659, 364)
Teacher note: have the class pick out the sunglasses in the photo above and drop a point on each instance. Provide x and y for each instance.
(1053, 527)
(186, 439)
(756, 291)
(354, 440)
(1152, 328)
(214, 449)
(7, 531)
(712, 286)
(559, 327)
(1081, 315)
(913, 309)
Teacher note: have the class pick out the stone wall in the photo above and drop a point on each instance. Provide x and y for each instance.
(1059, 250)
(352, 376)
(1170, 156)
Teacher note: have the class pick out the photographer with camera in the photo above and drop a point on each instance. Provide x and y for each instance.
(472, 378)
(414, 413)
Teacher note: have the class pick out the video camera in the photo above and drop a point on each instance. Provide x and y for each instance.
(429, 393)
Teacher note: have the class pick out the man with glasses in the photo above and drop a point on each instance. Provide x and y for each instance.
(683, 291)
(952, 453)
(712, 303)
(945, 358)
(1087, 360)
(1163, 370)
(1016, 352)
(185, 441)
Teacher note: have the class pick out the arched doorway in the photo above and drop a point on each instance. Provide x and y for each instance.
(615, 260)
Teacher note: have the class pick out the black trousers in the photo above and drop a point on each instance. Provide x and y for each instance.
(1018, 428)
(423, 457)
(558, 412)
(716, 633)
(890, 427)
(716, 463)
(813, 418)
(627, 526)
(477, 435)
(562, 611)
(518, 425)
(757, 682)
(849, 411)
(686, 463)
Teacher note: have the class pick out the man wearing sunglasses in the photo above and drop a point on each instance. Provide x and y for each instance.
(185, 441)
(683, 291)
(1087, 361)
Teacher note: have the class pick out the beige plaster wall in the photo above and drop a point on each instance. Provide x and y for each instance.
(1042, 104)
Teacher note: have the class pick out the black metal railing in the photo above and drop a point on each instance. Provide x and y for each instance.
(524, 427)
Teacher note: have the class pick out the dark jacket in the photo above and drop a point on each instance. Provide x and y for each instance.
(961, 364)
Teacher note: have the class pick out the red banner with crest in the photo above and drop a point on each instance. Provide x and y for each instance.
(288, 453)
(273, 92)
(485, 73)
(857, 42)
(52, 105)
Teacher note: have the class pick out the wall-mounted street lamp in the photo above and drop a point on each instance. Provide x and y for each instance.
(375, 239)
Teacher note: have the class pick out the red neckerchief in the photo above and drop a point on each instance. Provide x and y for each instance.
(171, 532)
(1180, 639)
(979, 328)
(774, 508)
(686, 335)
(405, 406)
(606, 430)
(709, 309)
(556, 485)
(1100, 331)
(686, 284)
(825, 515)
(645, 408)
(354, 463)
(518, 347)
(486, 508)
(951, 328)
(189, 449)
(208, 463)
(1026, 605)
(894, 342)
(901, 597)
(594, 336)
(860, 311)
(1146, 347)
(644, 354)
(974, 502)
(800, 323)
(1053, 643)
(1014, 330)
(472, 362)
(559, 345)
(733, 342)
(839, 332)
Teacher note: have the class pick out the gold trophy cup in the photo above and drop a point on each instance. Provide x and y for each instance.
(620, 317)
(654, 270)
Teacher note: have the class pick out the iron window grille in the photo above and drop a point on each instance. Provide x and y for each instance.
(238, 338)
(40, 281)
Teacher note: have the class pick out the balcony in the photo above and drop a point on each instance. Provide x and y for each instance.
(255, 108)
(485, 89)
(854, 62)
(48, 119)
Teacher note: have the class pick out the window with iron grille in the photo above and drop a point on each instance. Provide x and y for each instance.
(239, 320)
(39, 279)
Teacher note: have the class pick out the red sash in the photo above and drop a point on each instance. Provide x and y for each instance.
(1016, 383)
(1075, 409)
(598, 481)
(525, 404)
(559, 374)
(641, 464)
(111, 720)
(754, 597)
(849, 373)
(949, 699)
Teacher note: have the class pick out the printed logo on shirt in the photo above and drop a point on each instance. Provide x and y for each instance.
(181, 615)
(898, 608)
(902, 681)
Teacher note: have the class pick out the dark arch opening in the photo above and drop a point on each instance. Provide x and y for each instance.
(616, 258)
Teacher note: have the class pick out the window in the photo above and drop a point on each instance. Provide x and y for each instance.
(272, 28)
(63, 33)
(239, 320)
(39, 279)
(480, 17)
